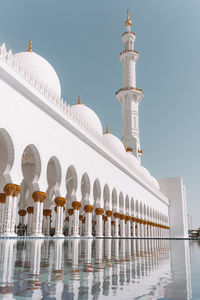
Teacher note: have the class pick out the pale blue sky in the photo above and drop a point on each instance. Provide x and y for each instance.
(82, 40)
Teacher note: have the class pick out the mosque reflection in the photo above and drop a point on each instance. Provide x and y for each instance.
(94, 269)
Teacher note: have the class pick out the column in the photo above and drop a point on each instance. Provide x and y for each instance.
(122, 225)
(38, 198)
(128, 226)
(70, 212)
(75, 228)
(11, 191)
(30, 210)
(80, 225)
(133, 227)
(99, 222)
(116, 230)
(108, 223)
(88, 220)
(2, 208)
(60, 202)
(67, 225)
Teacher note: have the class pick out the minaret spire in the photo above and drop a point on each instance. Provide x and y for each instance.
(130, 96)
(30, 46)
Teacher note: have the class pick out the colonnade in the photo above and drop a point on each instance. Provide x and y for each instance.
(75, 221)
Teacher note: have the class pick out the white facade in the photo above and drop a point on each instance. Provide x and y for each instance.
(57, 168)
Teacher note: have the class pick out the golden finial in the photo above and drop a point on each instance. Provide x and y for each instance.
(107, 131)
(30, 46)
(79, 99)
(128, 21)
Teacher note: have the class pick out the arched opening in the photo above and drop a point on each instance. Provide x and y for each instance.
(127, 205)
(85, 188)
(97, 193)
(6, 153)
(121, 203)
(106, 198)
(71, 180)
(114, 200)
(132, 207)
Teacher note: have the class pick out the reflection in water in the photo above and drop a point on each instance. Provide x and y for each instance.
(95, 269)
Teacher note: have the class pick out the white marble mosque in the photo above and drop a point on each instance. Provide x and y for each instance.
(61, 175)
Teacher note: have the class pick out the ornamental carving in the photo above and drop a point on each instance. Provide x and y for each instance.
(39, 196)
(22, 212)
(109, 213)
(134, 219)
(70, 211)
(60, 201)
(81, 217)
(112, 222)
(11, 189)
(116, 215)
(2, 198)
(104, 218)
(99, 211)
(88, 208)
(122, 217)
(30, 209)
(46, 212)
(76, 205)
(128, 218)
(67, 219)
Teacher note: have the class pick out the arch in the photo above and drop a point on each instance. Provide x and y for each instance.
(6, 153)
(53, 172)
(31, 164)
(71, 180)
(137, 208)
(97, 191)
(132, 207)
(141, 210)
(121, 203)
(144, 211)
(106, 197)
(127, 206)
(85, 187)
(114, 200)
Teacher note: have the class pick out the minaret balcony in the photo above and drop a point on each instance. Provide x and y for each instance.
(135, 93)
(127, 54)
(129, 33)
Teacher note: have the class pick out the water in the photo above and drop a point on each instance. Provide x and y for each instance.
(99, 269)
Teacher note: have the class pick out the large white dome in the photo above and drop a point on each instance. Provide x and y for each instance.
(88, 116)
(115, 143)
(41, 68)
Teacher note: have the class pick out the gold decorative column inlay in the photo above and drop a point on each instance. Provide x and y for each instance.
(70, 211)
(128, 218)
(22, 212)
(99, 211)
(88, 208)
(2, 198)
(47, 212)
(67, 219)
(11, 189)
(122, 217)
(109, 213)
(76, 205)
(39, 196)
(81, 217)
(60, 201)
(116, 215)
(30, 209)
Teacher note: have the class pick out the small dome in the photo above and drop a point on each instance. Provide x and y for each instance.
(41, 68)
(112, 140)
(88, 116)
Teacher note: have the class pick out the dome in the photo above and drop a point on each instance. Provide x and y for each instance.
(88, 116)
(112, 140)
(41, 68)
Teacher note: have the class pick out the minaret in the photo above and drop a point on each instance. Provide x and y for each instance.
(130, 96)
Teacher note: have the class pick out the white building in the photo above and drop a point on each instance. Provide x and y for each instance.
(58, 169)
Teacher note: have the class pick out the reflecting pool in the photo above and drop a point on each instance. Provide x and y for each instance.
(99, 269)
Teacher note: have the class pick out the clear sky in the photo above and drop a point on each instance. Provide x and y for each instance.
(82, 40)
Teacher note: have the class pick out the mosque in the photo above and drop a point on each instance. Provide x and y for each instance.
(61, 175)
